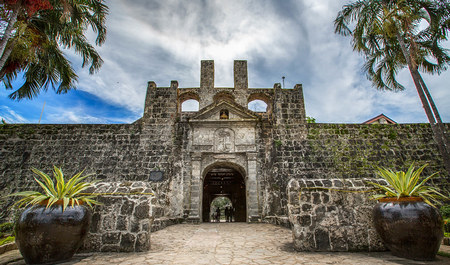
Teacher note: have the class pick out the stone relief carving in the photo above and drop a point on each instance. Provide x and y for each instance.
(224, 140)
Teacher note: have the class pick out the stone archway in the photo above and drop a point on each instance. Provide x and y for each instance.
(224, 181)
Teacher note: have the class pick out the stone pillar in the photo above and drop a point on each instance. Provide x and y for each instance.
(151, 86)
(206, 82)
(194, 211)
(252, 189)
(240, 82)
(207, 74)
(240, 74)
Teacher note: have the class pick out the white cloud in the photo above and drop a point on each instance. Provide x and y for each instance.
(10, 116)
(78, 115)
(163, 41)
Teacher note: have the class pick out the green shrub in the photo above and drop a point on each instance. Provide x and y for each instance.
(447, 225)
(6, 227)
(69, 192)
(407, 184)
(445, 211)
(7, 240)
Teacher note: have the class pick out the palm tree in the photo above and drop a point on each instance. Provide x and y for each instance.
(36, 47)
(391, 35)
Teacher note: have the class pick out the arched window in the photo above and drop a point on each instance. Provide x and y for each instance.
(190, 105)
(257, 106)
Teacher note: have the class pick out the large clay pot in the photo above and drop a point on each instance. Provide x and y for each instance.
(409, 227)
(47, 236)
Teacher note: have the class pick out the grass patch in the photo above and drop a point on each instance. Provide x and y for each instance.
(6, 233)
(443, 254)
(7, 240)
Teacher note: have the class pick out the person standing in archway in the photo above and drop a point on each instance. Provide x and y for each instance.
(230, 213)
(227, 214)
(218, 214)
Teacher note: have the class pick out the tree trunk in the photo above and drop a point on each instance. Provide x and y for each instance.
(438, 129)
(423, 99)
(9, 28)
(436, 114)
(430, 99)
(4, 58)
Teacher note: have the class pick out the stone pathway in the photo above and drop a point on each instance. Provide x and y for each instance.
(232, 243)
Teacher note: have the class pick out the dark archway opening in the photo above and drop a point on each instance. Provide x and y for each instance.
(225, 182)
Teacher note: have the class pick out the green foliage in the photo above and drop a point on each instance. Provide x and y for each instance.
(447, 227)
(6, 227)
(39, 40)
(310, 119)
(6, 233)
(445, 211)
(401, 184)
(220, 202)
(443, 254)
(7, 240)
(63, 192)
(378, 29)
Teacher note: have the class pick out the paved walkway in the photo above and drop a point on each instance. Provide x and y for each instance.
(232, 243)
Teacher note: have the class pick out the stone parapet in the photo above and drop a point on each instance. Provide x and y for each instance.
(332, 215)
(123, 222)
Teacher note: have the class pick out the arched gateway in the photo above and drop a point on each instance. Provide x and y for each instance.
(224, 181)
(223, 147)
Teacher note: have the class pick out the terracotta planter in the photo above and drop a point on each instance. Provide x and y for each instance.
(47, 236)
(409, 227)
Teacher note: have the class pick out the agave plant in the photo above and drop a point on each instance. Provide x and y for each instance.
(409, 184)
(63, 192)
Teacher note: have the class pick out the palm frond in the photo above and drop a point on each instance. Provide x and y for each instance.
(66, 192)
(407, 184)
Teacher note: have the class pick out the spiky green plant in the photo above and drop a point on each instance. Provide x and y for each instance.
(409, 184)
(66, 192)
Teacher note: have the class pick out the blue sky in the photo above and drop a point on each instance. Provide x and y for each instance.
(150, 40)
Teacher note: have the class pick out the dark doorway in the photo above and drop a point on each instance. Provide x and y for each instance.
(224, 182)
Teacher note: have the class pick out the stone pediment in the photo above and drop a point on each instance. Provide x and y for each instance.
(224, 111)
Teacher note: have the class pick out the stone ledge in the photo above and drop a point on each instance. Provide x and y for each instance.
(278, 220)
(8, 247)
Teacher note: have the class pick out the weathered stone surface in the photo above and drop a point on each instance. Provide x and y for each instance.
(111, 238)
(127, 243)
(339, 220)
(115, 232)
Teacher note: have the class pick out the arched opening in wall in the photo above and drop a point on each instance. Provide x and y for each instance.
(188, 102)
(260, 102)
(224, 181)
(190, 105)
(219, 209)
(257, 106)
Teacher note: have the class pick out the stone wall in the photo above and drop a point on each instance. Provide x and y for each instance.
(123, 222)
(332, 215)
(344, 151)
(113, 152)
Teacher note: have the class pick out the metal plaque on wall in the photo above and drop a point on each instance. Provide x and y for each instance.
(156, 176)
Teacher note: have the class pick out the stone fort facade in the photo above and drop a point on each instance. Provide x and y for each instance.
(259, 160)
